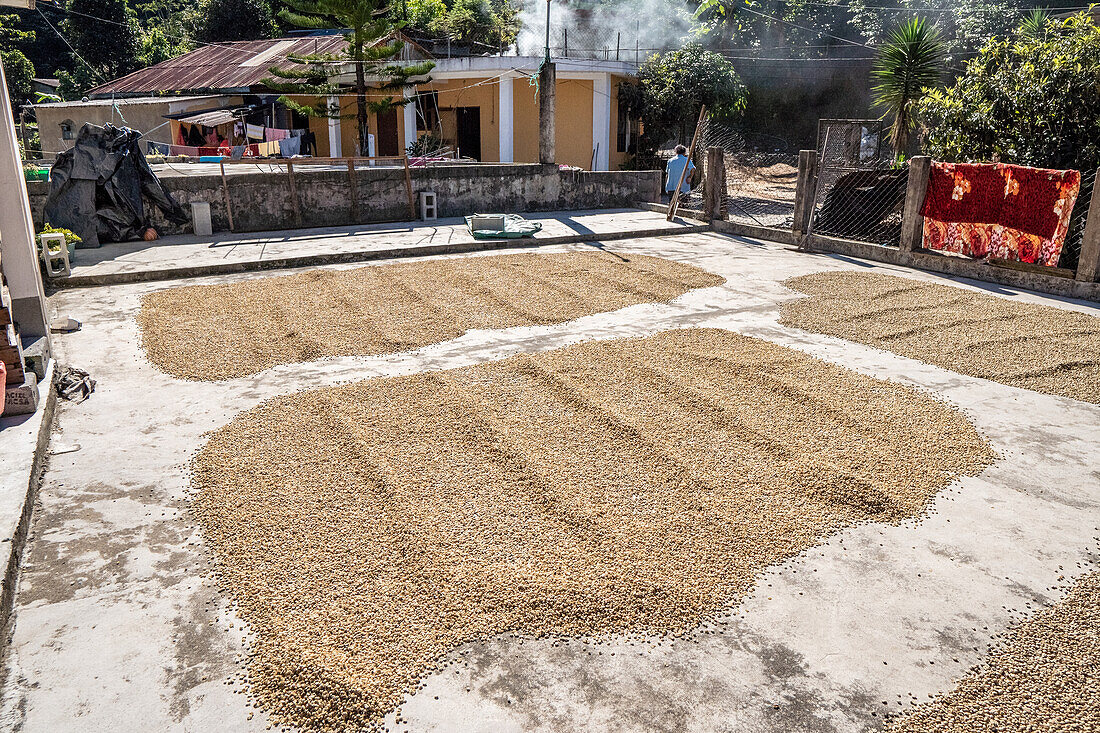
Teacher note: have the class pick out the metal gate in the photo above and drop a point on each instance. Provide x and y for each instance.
(860, 189)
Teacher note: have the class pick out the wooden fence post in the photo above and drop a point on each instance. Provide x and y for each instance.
(1088, 262)
(715, 186)
(912, 223)
(804, 191)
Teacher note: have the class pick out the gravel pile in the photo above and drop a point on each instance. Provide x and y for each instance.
(209, 332)
(631, 486)
(1044, 678)
(1025, 345)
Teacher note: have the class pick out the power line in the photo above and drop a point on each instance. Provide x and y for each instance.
(66, 42)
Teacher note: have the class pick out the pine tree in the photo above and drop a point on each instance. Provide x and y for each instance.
(368, 25)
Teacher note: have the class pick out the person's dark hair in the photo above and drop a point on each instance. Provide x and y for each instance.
(681, 150)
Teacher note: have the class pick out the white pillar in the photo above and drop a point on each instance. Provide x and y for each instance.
(18, 245)
(409, 111)
(505, 107)
(334, 148)
(601, 121)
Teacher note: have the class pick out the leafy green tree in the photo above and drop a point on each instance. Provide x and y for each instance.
(671, 88)
(43, 47)
(1027, 100)
(157, 45)
(367, 52)
(105, 36)
(235, 20)
(482, 22)
(18, 70)
(907, 64)
(424, 15)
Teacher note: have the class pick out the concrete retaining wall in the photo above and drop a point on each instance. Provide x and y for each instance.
(261, 201)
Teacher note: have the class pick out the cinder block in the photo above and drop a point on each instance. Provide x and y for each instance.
(200, 218)
(21, 399)
(36, 355)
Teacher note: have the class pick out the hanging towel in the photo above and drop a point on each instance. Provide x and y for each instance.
(268, 149)
(298, 133)
(156, 148)
(272, 134)
(290, 147)
(238, 152)
(254, 132)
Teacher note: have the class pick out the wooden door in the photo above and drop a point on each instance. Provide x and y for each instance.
(387, 142)
(468, 121)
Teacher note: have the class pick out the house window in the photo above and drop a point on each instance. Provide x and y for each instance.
(67, 130)
(427, 112)
(626, 136)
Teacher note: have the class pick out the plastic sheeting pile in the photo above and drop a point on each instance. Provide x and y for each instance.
(97, 188)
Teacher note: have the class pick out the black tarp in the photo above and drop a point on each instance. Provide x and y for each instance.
(97, 187)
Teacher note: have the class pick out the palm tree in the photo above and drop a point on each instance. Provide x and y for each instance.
(910, 61)
(1034, 24)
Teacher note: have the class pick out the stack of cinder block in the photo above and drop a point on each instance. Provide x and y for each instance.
(24, 365)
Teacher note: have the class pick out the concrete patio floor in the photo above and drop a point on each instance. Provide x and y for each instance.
(118, 626)
(228, 252)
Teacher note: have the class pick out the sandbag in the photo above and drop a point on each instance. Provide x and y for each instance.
(97, 188)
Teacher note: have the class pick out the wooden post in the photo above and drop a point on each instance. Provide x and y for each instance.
(353, 191)
(547, 79)
(1088, 262)
(294, 194)
(225, 194)
(804, 191)
(675, 203)
(715, 185)
(409, 189)
(912, 223)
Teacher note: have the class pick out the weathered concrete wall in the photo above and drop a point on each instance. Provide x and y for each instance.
(262, 201)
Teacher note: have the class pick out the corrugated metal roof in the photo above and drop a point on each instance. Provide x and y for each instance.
(210, 119)
(226, 66)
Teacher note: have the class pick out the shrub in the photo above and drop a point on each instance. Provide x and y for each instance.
(1030, 100)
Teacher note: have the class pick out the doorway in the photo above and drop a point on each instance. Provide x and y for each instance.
(387, 133)
(468, 133)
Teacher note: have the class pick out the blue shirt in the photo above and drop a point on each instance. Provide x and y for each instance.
(673, 171)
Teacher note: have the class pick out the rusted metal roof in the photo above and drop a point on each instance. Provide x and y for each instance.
(228, 66)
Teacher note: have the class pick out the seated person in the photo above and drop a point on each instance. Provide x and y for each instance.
(675, 169)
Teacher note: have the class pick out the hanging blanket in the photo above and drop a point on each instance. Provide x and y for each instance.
(995, 210)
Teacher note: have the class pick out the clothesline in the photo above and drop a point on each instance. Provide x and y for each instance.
(287, 148)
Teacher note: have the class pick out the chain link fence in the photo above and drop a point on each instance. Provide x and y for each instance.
(761, 176)
(1071, 250)
(860, 190)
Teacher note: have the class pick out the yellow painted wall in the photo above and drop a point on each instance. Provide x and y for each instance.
(469, 93)
(349, 126)
(573, 120)
(573, 123)
(525, 123)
